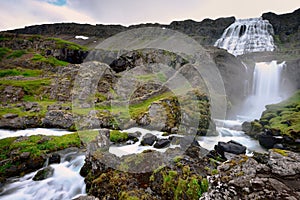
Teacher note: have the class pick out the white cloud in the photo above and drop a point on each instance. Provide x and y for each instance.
(20, 13)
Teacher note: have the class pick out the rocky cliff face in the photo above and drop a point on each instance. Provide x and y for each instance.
(206, 32)
(286, 28)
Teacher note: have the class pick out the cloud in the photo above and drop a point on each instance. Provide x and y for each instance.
(20, 13)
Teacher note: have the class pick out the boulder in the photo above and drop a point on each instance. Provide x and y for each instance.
(162, 143)
(148, 140)
(54, 158)
(276, 177)
(267, 140)
(230, 147)
(43, 174)
(134, 136)
(58, 119)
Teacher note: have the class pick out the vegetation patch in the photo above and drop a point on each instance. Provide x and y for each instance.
(30, 87)
(35, 146)
(284, 117)
(66, 44)
(48, 60)
(20, 72)
(3, 52)
(118, 136)
(16, 54)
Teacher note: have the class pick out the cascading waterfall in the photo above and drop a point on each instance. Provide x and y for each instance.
(66, 183)
(265, 89)
(247, 35)
(241, 37)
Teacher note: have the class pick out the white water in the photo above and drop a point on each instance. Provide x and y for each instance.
(34, 131)
(247, 35)
(265, 89)
(64, 184)
(230, 130)
(136, 147)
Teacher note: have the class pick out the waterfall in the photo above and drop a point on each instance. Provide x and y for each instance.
(265, 88)
(247, 35)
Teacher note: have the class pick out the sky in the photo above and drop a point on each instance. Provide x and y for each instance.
(21, 13)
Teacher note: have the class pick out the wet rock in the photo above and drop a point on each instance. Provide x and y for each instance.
(43, 174)
(230, 147)
(266, 140)
(54, 158)
(134, 136)
(162, 143)
(148, 140)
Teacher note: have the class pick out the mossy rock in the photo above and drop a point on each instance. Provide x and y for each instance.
(118, 136)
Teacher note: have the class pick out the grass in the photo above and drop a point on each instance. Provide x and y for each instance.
(284, 116)
(16, 54)
(30, 87)
(87, 136)
(3, 52)
(22, 113)
(48, 60)
(118, 136)
(36, 145)
(70, 45)
(20, 71)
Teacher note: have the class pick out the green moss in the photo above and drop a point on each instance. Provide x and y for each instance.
(3, 52)
(118, 136)
(214, 171)
(49, 60)
(60, 43)
(16, 54)
(20, 71)
(180, 185)
(36, 145)
(281, 152)
(177, 159)
(30, 87)
(284, 116)
(87, 136)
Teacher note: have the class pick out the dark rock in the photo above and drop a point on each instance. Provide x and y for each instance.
(58, 119)
(43, 174)
(230, 147)
(267, 141)
(278, 146)
(148, 140)
(10, 116)
(134, 136)
(162, 143)
(54, 158)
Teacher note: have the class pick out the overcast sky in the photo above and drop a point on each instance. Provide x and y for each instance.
(20, 13)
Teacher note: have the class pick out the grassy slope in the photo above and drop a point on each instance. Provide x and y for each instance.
(284, 116)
